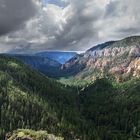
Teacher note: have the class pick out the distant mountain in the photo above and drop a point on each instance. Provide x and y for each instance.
(48, 63)
(37, 61)
(42, 64)
(119, 59)
(61, 57)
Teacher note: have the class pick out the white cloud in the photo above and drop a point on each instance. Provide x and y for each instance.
(77, 25)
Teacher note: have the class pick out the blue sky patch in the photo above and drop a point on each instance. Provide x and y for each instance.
(56, 2)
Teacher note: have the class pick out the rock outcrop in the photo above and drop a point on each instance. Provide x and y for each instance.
(116, 58)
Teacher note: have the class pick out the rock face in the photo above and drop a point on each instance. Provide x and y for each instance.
(117, 58)
(134, 67)
(26, 134)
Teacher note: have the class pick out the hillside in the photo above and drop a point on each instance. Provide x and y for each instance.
(118, 59)
(29, 100)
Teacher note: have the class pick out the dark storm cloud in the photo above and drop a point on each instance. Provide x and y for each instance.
(78, 27)
(13, 13)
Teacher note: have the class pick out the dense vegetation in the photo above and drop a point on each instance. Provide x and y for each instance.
(101, 111)
(30, 100)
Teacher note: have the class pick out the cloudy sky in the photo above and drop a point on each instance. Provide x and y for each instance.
(66, 25)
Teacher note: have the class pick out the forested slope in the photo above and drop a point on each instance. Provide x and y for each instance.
(30, 100)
